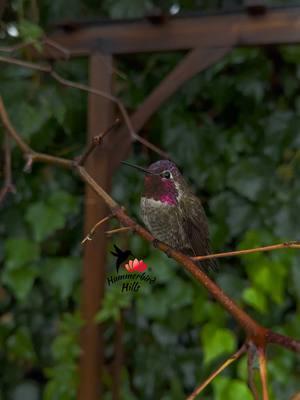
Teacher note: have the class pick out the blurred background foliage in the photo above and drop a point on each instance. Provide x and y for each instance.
(234, 131)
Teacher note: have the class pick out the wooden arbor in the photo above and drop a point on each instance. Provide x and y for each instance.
(206, 39)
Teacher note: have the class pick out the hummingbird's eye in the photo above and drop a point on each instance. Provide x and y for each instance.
(166, 174)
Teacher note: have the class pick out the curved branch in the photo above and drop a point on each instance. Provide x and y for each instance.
(211, 377)
(47, 68)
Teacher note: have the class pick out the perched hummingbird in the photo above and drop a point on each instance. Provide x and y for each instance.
(172, 213)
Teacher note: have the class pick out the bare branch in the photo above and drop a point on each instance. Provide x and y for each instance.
(11, 130)
(8, 186)
(94, 228)
(284, 341)
(47, 68)
(118, 230)
(251, 352)
(211, 377)
(65, 52)
(263, 372)
(96, 141)
(286, 245)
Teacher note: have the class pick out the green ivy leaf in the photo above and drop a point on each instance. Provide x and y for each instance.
(44, 220)
(113, 302)
(20, 252)
(46, 217)
(62, 273)
(28, 119)
(216, 341)
(231, 389)
(20, 346)
(255, 298)
(66, 203)
(237, 389)
(20, 280)
(63, 382)
(262, 275)
(30, 31)
(19, 273)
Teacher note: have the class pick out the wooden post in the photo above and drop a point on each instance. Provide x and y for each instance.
(100, 115)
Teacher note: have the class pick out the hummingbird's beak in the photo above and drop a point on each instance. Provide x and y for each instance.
(146, 171)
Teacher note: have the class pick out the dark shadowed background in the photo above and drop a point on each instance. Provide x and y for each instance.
(234, 132)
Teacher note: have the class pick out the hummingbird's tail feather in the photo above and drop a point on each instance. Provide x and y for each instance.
(209, 265)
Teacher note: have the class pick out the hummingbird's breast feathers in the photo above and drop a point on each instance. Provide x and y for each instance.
(162, 190)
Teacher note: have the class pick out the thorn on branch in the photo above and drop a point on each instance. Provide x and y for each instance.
(91, 233)
(97, 140)
(29, 162)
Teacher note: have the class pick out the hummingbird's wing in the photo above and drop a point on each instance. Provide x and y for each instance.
(196, 226)
(118, 250)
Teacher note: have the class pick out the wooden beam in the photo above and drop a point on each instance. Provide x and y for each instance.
(193, 63)
(98, 165)
(276, 26)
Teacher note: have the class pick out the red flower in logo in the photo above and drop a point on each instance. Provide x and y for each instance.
(135, 266)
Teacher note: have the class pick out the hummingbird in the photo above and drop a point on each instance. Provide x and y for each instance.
(172, 213)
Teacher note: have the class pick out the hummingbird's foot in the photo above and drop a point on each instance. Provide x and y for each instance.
(155, 243)
(168, 253)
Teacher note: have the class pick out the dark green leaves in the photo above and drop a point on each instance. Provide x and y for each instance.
(46, 217)
(216, 341)
(20, 266)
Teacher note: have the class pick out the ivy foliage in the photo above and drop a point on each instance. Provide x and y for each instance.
(234, 132)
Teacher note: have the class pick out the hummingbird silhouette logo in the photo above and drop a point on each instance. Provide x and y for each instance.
(121, 256)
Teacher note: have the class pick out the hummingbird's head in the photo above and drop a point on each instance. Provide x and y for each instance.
(163, 182)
